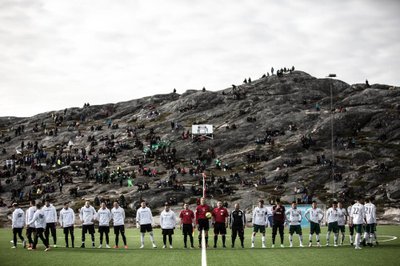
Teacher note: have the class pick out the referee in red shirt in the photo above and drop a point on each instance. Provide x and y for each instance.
(202, 220)
(220, 216)
(187, 217)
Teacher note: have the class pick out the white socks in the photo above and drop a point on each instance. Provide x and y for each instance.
(151, 237)
(372, 238)
(366, 237)
(358, 238)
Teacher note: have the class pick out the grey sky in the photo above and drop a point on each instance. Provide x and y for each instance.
(57, 54)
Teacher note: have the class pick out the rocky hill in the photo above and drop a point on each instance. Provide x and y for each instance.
(272, 138)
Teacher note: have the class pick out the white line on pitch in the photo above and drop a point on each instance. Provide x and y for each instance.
(203, 249)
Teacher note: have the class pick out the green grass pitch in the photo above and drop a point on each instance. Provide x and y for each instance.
(387, 253)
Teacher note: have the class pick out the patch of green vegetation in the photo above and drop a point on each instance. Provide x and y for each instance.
(192, 201)
(266, 188)
(235, 198)
(363, 169)
(78, 204)
(163, 117)
(358, 183)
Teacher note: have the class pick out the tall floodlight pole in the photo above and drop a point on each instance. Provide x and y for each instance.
(332, 141)
(204, 184)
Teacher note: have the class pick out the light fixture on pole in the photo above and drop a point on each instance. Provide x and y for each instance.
(332, 141)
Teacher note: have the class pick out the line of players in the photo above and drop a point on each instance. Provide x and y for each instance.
(358, 216)
(42, 220)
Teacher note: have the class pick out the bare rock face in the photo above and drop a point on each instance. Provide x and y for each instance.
(393, 190)
(390, 216)
(272, 139)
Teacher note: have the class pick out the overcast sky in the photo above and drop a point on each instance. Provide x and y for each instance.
(62, 53)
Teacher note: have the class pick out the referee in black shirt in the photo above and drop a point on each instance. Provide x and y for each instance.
(237, 222)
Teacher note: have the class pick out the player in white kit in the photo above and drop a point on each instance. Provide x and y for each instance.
(370, 218)
(357, 216)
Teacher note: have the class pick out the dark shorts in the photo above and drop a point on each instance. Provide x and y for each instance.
(295, 229)
(278, 225)
(30, 230)
(260, 228)
(146, 228)
(68, 229)
(333, 227)
(39, 231)
(315, 228)
(219, 228)
(238, 229)
(104, 229)
(17, 230)
(50, 225)
(204, 224)
(342, 228)
(358, 228)
(167, 231)
(370, 228)
(88, 228)
(119, 229)
(187, 229)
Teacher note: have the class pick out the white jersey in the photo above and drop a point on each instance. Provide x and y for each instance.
(331, 215)
(260, 216)
(370, 213)
(29, 216)
(144, 216)
(104, 217)
(118, 216)
(314, 215)
(167, 219)
(87, 215)
(294, 216)
(67, 217)
(50, 214)
(39, 219)
(342, 214)
(357, 213)
(18, 218)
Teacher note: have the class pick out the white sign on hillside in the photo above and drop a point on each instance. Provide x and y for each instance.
(203, 130)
